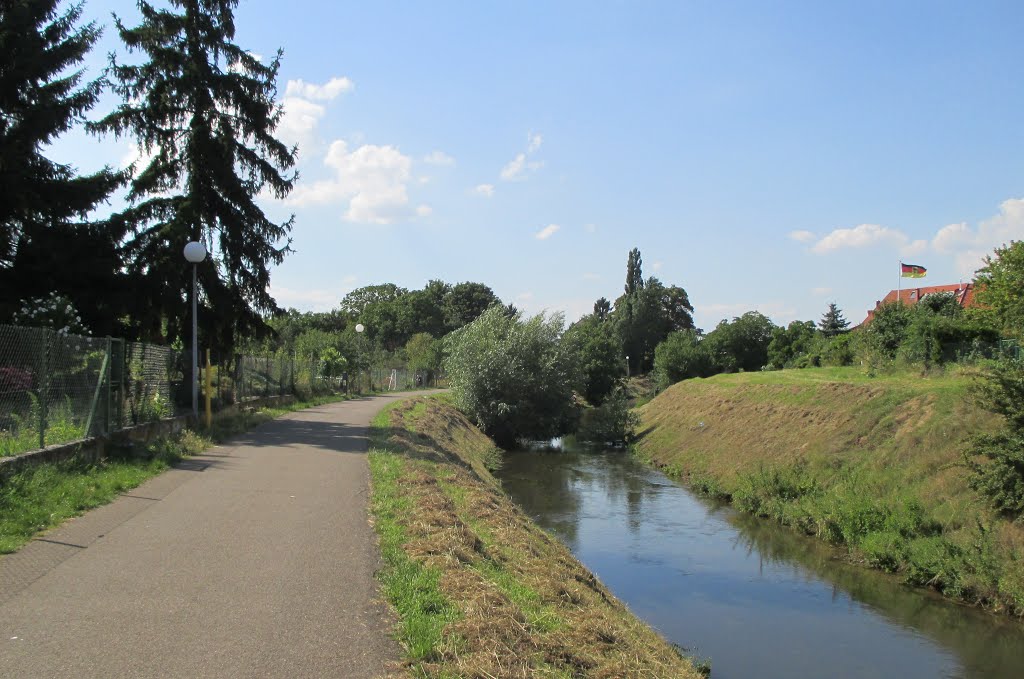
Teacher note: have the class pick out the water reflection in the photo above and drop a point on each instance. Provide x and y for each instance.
(758, 599)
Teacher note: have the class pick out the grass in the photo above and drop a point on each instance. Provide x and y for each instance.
(42, 496)
(478, 588)
(874, 463)
(22, 432)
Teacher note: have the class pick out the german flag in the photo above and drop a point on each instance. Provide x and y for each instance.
(912, 271)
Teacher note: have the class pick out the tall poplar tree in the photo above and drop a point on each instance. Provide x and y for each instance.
(202, 111)
(47, 240)
(634, 272)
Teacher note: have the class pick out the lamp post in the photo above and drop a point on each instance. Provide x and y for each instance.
(359, 355)
(627, 365)
(195, 252)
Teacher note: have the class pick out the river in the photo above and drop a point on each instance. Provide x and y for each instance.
(755, 598)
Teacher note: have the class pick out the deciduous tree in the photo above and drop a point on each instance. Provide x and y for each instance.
(1000, 287)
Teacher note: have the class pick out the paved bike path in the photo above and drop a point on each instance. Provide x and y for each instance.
(255, 559)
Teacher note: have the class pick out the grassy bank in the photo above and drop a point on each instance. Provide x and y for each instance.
(480, 590)
(874, 463)
(43, 496)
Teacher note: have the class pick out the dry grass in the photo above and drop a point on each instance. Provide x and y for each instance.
(526, 606)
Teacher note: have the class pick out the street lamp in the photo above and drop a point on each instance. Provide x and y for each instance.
(627, 365)
(195, 252)
(359, 354)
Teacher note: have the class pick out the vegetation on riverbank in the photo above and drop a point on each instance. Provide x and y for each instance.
(874, 463)
(39, 497)
(480, 590)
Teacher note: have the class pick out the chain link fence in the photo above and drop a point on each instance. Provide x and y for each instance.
(57, 388)
(54, 388)
(156, 383)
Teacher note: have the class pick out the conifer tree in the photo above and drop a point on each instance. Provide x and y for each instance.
(47, 243)
(833, 323)
(203, 110)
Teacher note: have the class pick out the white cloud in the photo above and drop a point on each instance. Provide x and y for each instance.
(914, 248)
(373, 179)
(514, 169)
(862, 236)
(424, 211)
(329, 90)
(780, 312)
(590, 276)
(306, 299)
(821, 292)
(656, 266)
(299, 120)
(484, 190)
(970, 246)
(547, 232)
(438, 158)
(535, 140)
(590, 228)
(301, 113)
(802, 236)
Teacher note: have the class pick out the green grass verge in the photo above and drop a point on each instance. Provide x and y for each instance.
(42, 496)
(413, 590)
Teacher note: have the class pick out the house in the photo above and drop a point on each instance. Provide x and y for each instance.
(964, 295)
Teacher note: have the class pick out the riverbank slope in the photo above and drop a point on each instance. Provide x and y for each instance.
(479, 588)
(875, 463)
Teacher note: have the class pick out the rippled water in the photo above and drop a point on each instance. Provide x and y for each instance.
(757, 599)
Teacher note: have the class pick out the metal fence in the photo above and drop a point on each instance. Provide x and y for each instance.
(54, 388)
(969, 352)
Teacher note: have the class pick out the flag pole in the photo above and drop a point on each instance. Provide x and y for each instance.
(899, 282)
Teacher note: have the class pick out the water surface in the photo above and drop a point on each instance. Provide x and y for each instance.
(757, 599)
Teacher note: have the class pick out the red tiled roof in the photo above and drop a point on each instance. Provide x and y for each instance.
(964, 295)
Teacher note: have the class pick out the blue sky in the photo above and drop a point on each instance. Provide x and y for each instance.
(770, 156)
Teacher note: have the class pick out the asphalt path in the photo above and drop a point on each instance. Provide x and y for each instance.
(255, 559)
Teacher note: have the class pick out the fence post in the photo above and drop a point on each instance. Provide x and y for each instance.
(44, 386)
(110, 387)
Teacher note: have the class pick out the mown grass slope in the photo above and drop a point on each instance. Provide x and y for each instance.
(873, 462)
(480, 590)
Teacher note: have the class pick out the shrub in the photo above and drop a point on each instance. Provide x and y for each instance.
(681, 356)
(611, 422)
(1001, 478)
(512, 377)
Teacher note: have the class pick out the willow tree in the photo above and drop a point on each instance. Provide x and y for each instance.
(48, 241)
(202, 111)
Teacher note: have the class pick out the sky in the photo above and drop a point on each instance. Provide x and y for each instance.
(764, 156)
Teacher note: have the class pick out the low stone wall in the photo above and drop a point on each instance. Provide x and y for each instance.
(96, 447)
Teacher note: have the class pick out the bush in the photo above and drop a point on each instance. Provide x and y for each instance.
(611, 422)
(1001, 478)
(512, 377)
(680, 357)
